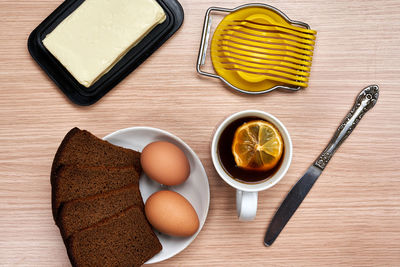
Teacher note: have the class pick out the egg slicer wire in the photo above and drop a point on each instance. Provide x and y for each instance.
(205, 41)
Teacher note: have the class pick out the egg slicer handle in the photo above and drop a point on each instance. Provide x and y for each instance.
(205, 39)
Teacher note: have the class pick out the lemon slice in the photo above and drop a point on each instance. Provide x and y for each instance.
(257, 145)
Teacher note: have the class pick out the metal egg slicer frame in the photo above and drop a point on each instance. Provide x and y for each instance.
(256, 49)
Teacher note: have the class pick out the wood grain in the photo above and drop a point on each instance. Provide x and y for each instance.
(350, 218)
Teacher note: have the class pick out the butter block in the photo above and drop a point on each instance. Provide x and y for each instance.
(93, 38)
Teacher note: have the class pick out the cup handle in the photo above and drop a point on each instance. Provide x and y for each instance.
(246, 205)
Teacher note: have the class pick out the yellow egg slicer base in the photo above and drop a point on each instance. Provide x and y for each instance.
(256, 48)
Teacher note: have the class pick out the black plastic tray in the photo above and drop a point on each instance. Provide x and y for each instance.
(78, 93)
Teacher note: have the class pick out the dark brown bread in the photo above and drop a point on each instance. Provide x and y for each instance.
(81, 148)
(123, 240)
(78, 182)
(81, 213)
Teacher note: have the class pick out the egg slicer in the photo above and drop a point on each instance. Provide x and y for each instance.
(256, 49)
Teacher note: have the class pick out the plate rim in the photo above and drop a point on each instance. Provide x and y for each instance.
(196, 157)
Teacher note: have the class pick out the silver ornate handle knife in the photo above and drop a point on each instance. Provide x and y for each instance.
(364, 102)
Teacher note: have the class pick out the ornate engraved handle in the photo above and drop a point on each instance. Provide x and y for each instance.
(364, 102)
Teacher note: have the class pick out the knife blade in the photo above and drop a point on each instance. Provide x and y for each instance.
(364, 102)
(291, 203)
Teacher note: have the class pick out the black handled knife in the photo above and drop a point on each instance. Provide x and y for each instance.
(364, 102)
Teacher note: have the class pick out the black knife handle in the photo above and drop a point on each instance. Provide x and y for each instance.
(364, 102)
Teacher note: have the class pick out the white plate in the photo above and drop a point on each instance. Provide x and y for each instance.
(195, 189)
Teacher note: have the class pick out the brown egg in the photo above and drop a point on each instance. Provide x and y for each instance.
(165, 163)
(171, 213)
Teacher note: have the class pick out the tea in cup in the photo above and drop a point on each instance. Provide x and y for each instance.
(246, 164)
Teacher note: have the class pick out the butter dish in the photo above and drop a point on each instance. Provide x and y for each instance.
(84, 92)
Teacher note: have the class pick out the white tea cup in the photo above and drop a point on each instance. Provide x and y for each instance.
(247, 193)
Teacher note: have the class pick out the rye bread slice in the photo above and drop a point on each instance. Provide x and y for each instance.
(78, 182)
(81, 148)
(81, 213)
(125, 239)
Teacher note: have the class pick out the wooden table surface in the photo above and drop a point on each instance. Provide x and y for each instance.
(351, 216)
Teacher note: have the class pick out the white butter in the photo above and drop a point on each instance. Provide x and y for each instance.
(91, 40)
